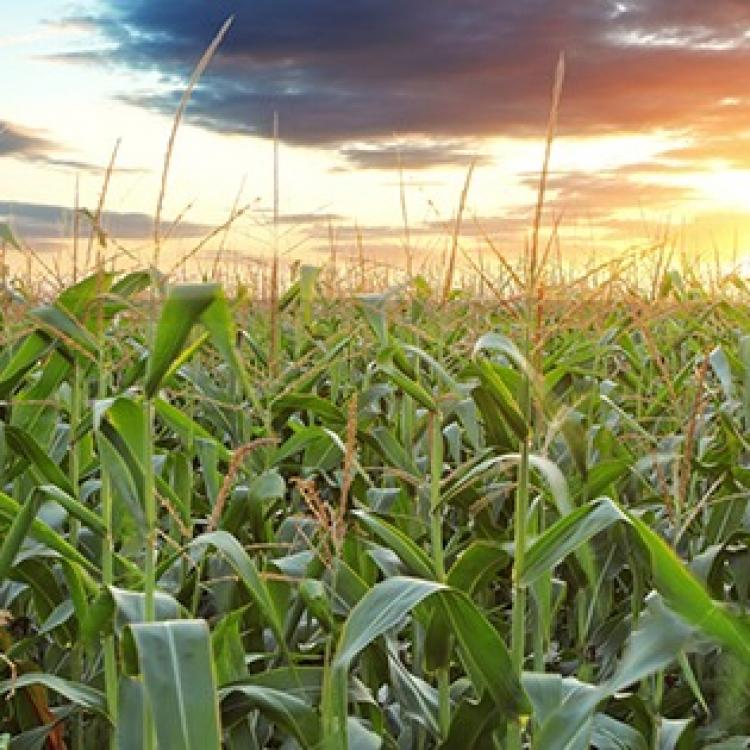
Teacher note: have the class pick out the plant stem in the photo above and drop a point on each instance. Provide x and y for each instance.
(110, 658)
(149, 503)
(149, 569)
(76, 655)
(149, 495)
(436, 516)
(436, 537)
(518, 624)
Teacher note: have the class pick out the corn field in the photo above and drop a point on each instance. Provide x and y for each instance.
(395, 520)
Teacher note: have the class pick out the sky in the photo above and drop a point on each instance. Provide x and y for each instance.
(382, 108)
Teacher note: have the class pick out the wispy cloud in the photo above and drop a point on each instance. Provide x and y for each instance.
(33, 145)
(18, 141)
(40, 221)
(412, 154)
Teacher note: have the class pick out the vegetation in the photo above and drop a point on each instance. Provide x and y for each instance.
(414, 519)
(406, 523)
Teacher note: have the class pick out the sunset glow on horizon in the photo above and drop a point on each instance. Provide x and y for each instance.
(653, 137)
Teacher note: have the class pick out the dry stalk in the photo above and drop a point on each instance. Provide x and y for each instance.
(194, 78)
(239, 455)
(97, 216)
(661, 481)
(699, 506)
(211, 235)
(172, 511)
(658, 361)
(332, 531)
(273, 359)
(235, 208)
(13, 675)
(448, 282)
(532, 268)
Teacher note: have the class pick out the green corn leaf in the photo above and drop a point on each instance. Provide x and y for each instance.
(28, 353)
(82, 695)
(478, 561)
(567, 535)
(502, 398)
(174, 658)
(10, 509)
(684, 594)
(181, 311)
(188, 429)
(58, 324)
(217, 319)
(387, 364)
(24, 444)
(281, 707)
(248, 573)
(18, 531)
(322, 408)
(386, 605)
(415, 559)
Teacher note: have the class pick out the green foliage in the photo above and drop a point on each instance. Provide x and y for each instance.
(205, 545)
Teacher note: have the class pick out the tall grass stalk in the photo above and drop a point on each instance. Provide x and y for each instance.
(192, 83)
(149, 496)
(450, 272)
(521, 510)
(275, 296)
(405, 220)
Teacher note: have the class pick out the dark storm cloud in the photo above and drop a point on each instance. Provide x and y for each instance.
(361, 70)
(41, 221)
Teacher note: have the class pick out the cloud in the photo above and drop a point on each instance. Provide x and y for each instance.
(32, 145)
(18, 141)
(412, 154)
(731, 151)
(40, 221)
(303, 218)
(339, 72)
(616, 205)
(577, 193)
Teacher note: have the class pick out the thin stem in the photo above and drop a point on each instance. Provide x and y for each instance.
(76, 656)
(149, 569)
(530, 352)
(110, 658)
(149, 503)
(438, 555)
(436, 517)
(519, 544)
